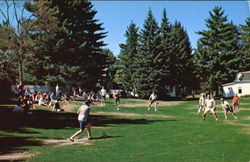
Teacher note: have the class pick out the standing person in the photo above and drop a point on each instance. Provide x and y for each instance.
(116, 96)
(153, 99)
(20, 88)
(103, 95)
(236, 103)
(83, 117)
(57, 91)
(201, 106)
(210, 107)
(227, 108)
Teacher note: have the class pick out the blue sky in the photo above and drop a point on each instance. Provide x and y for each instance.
(117, 15)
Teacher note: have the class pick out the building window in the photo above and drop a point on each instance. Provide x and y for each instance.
(239, 90)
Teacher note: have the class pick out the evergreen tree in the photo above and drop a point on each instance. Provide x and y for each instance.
(73, 54)
(110, 70)
(147, 75)
(245, 43)
(182, 76)
(126, 64)
(217, 55)
(164, 56)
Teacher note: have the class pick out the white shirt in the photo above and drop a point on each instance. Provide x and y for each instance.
(103, 92)
(225, 105)
(202, 100)
(83, 113)
(41, 101)
(210, 103)
(153, 96)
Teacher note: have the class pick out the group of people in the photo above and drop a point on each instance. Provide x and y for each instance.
(84, 110)
(207, 105)
(27, 99)
(24, 100)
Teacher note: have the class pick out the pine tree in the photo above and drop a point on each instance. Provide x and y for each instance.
(164, 56)
(147, 78)
(245, 43)
(181, 59)
(218, 50)
(126, 64)
(73, 54)
(110, 70)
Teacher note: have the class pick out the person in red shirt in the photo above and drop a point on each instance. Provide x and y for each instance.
(236, 102)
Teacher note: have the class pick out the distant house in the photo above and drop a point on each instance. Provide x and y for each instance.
(240, 86)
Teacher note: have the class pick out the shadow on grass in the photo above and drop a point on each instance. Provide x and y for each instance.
(43, 119)
(105, 136)
(10, 143)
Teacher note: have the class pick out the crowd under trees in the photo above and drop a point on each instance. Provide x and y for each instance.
(61, 42)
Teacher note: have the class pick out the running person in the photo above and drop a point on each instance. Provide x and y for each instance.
(201, 105)
(210, 107)
(227, 108)
(152, 99)
(116, 96)
(83, 116)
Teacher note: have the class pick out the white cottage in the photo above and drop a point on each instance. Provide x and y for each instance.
(240, 86)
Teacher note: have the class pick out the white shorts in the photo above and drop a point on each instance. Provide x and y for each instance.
(208, 109)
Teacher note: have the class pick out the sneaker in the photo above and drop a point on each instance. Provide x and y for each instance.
(71, 139)
(118, 109)
(203, 118)
(216, 119)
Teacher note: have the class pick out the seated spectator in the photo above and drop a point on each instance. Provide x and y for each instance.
(53, 99)
(42, 101)
(38, 96)
(57, 107)
(18, 109)
(66, 98)
(27, 93)
(27, 104)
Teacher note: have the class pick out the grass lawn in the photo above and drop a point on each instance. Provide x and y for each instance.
(173, 133)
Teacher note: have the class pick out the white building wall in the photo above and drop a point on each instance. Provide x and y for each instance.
(241, 89)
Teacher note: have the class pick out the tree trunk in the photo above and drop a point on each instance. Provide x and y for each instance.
(20, 68)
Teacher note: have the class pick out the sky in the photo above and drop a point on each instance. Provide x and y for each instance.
(117, 15)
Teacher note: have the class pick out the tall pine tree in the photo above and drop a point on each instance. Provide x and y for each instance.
(126, 64)
(245, 43)
(164, 56)
(182, 76)
(147, 76)
(73, 53)
(217, 56)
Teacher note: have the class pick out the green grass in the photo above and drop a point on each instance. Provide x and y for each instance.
(184, 137)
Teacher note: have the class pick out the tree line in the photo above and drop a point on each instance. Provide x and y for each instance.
(159, 56)
(61, 42)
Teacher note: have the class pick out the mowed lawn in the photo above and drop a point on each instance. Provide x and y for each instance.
(173, 133)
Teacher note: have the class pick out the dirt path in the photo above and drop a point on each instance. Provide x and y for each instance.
(50, 142)
(161, 103)
(131, 114)
(16, 156)
(64, 142)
